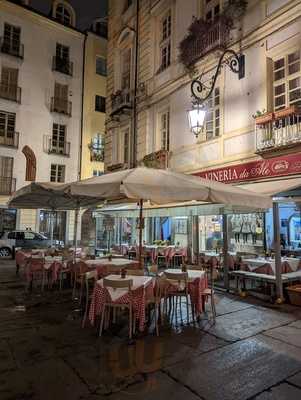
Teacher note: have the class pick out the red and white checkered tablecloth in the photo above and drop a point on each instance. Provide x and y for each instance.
(143, 287)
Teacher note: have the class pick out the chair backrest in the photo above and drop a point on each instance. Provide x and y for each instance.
(91, 275)
(177, 276)
(118, 284)
(136, 272)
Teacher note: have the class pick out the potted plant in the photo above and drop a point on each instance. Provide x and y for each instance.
(262, 117)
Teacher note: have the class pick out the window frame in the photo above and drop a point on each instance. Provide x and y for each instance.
(101, 105)
(164, 130)
(7, 117)
(213, 109)
(61, 15)
(60, 173)
(102, 71)
(165, 40)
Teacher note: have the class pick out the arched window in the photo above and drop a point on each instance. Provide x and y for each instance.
(63, 15)
(31, 164)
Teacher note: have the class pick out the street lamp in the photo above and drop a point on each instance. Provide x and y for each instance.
(201, 92)
(196, 118)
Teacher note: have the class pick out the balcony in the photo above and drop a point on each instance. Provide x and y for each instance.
(61, 106)
(57, 147)
(62, 65)
(204, 37)
(15, 49)
(158, 159)
(121, 102)
(7, 185)
(278, 133)
(10, 92)
(9, 139)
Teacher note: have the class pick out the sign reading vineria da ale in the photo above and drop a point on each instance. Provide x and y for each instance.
(255, 170)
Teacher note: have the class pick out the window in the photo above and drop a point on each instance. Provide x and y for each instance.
(115, 151)
(101, 29)
(212, 9)
(62, 52)
(57, 173)
(164, 130)
(212, 118)
(165, 43)
(97, 148)
(101, 66)
(100, 104)
(61, 91)
(63, 15)
(7, 125)
(11, 39)
(126, 69)
(287, 81)
(126, 147)
(9, 84)
(97, 172)
(58, 136)
(6, 167)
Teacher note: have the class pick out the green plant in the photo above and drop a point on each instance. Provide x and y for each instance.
(259, 113)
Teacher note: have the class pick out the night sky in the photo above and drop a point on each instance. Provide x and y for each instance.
(86, 10)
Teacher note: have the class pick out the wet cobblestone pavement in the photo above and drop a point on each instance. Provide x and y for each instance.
(252, 352)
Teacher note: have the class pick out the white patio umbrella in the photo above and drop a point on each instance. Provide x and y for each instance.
(52, 196)
(162, 187)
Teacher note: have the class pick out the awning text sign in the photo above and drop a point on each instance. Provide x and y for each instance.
(255, 170)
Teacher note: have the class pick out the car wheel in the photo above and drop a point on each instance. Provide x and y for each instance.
(5, 252)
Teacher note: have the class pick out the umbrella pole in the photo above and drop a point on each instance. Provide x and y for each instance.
(140, 231)
(277, 248)
(51, 227)
(75, 233)
(225, 251)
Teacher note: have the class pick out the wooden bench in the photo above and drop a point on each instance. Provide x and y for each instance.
(242, 276)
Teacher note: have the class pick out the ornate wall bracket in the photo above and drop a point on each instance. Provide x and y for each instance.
(201, 91)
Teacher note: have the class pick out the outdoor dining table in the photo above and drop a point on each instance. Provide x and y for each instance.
(197, 283)
(103, 265)
(142, 290)
(262, 265)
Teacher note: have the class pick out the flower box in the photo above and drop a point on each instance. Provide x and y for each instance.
(287, 111)
(264, 119)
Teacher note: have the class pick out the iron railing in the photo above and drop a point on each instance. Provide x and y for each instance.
(9, 139)
(13, 48)
(10, 92)
(61, 106)
(121, 101)
(62, 65)
(278, 133)
(7, 185)
(55, 146)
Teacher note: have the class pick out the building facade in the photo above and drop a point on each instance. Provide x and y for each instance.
(92, 162)
(41, 64)
(252, 125)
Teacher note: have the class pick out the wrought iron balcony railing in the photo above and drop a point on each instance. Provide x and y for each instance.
(55, 146)
(61, 106)
(7, 185)
(121, 102)
(62, 65)
(10, 92)
(9, 139)
(279, 131)
(13, 48)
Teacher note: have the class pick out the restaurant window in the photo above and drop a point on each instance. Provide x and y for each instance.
(7, 126)
(126, 69)
(57, 173)
(287, 81)
(12, 38)
(101, 66)
(100, 104)
(59, 220)
(212, 9)
(165, 41)
(212, 118)
(164, 130)
(63, 15)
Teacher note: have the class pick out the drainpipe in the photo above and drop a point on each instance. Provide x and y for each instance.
(82, 118)
(134, 146)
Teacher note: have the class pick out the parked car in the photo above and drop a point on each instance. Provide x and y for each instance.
(28, 239)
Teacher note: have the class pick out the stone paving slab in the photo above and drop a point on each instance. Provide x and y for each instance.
(48, 380)
(296, 324)
(239, 370)
(7, 362)
(226, 305)
(289, 334)
(281, 392)
(245, 323)
(295, 380)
